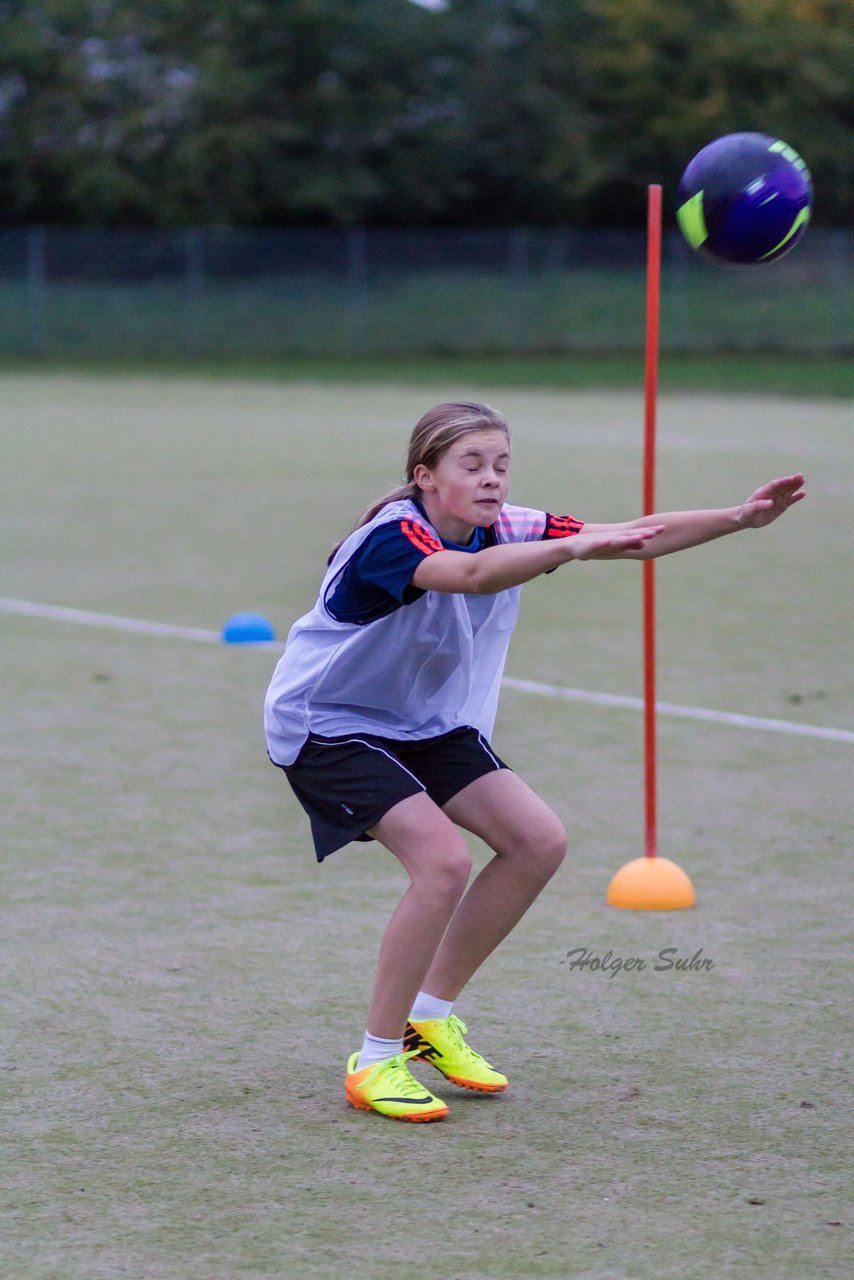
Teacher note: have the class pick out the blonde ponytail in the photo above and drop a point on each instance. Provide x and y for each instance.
(402, 491)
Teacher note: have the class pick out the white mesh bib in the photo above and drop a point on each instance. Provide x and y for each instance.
(423, 670)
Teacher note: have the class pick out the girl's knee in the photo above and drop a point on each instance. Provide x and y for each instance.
(549, 849)
(541, 849)
(444, 868)
(429, 845)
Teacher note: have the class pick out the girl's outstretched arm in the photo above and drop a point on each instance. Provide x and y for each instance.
(512, 563)
(681, 529)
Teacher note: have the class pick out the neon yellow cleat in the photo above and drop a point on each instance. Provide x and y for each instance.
(440, 1042)
(389, 1088)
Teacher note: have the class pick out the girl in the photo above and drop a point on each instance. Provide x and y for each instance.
(381, 708)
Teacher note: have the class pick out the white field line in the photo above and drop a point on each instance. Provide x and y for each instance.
(112, 622)
(108, 620)
(683, 713)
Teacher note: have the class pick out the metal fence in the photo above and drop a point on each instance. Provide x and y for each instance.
(218, 292)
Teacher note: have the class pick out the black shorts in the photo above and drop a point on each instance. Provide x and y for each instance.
(347, 784)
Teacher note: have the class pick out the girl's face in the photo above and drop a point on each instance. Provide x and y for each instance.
(468, 485)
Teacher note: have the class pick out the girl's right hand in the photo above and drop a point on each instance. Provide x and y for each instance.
(611, 546)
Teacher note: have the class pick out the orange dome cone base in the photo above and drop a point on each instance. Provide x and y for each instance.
(651, 884)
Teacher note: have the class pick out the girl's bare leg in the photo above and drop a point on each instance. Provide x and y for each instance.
(529, 842)
(435, 856)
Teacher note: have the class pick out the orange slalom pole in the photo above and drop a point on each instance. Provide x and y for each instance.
(650, 883)
(653, 308)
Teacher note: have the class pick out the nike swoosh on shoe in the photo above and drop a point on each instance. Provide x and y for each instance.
(414, 1101)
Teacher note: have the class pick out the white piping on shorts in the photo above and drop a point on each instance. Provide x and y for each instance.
(370, 745)
(482, 742)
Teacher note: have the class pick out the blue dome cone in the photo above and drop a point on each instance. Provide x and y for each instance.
(248, 628)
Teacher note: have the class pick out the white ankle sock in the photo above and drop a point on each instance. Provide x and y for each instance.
(375, 1049)
(428, 1007)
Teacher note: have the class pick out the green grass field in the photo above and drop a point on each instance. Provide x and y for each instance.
(182, 983)
(461, 311)
(796, 375)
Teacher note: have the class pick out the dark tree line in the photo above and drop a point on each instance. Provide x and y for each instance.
(379, 112)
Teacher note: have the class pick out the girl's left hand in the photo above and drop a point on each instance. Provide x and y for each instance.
(770, 501)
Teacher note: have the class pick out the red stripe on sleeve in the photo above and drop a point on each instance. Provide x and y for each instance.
(562, 526)
(420, 538)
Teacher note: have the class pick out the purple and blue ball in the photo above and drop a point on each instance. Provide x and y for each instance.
(745, 198)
